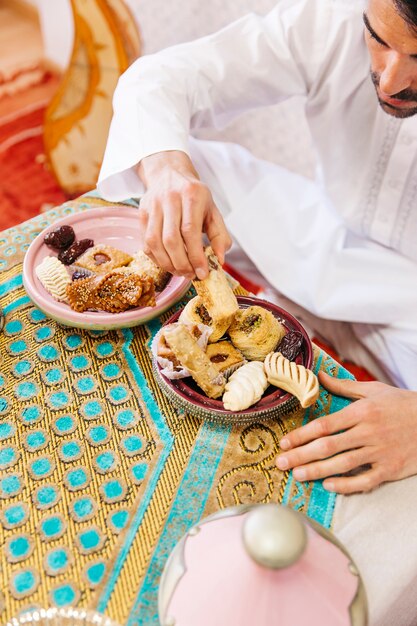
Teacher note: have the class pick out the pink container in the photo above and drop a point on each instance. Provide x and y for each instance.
(260, 566)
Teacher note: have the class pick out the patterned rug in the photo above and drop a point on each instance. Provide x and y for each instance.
(100, 474)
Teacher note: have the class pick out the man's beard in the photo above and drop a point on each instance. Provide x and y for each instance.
(407, 95)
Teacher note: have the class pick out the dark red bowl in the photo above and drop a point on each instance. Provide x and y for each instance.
(185, 393)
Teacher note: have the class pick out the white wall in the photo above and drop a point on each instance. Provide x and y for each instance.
(57, 29)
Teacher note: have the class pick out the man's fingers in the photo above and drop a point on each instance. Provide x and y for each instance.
(339, 464)
(342, 386)
(320, 427)
(321, 448)
(217, 233)
(153, 241)
(192, 234)
(172, 240)
(364, 482)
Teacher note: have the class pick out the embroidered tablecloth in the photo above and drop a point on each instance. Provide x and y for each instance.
(99, 474)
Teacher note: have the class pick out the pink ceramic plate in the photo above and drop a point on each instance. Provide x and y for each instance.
(185, 394)
(113, 226)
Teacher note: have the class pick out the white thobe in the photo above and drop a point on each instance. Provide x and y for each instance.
(343, 246)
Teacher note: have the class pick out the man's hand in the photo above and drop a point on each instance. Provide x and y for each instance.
(379, 429)
(175, 211)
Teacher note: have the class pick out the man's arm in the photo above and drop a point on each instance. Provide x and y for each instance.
(254, 62)
(378, 430)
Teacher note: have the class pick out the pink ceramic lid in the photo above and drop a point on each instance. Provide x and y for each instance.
(114, 226)
(216, 581)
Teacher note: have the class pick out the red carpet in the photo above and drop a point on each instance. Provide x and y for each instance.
(25, 183)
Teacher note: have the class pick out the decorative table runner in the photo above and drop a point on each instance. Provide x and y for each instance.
(99, 474)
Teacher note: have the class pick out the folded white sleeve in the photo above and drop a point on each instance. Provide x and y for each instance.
(256, 61)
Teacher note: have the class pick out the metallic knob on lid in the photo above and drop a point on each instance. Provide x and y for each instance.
(274, 536)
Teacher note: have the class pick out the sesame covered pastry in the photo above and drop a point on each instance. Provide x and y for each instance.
(255, 331)
(216, 294)
(296, 379)
(195, 312)
(142, 264)
(101, 259)
(114, 292)
(194, 359)
(54, 277)
(245, 387)
(225, 357)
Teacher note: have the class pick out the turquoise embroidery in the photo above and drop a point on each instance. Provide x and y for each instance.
(23, 368)
(118, 520)
(72, 342)
(18, 347)
(18, 548)
(131, 445)
(83, 509)
(118, 394)
(26, 390)
(64, 595)
(79, 363)
(64, 425)
(106, 462)
(52, 527)
(41, 467)
(126, 419)
(98, 435)
(13, 327)
(10, 486)
(95, 573)
(77, 479)
(15, 515)
(71, 451)
(91, 409)
(7, 429)
(9, 456)
(31, 414)
(90, 540)
(48, 353)
(24, 583)
(46, 496)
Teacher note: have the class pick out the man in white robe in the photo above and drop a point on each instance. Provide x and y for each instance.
(340, 249)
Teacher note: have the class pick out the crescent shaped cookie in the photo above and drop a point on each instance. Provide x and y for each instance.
(289, 376)
(54, 277)
(245, 387)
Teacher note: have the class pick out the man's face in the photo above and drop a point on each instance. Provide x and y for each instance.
(392, 46)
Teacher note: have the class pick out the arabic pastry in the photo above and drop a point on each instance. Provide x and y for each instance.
(225, 357)
(142, 264)
(54, 277)
(102, 259)
(164, 351)
(287, 375)
(195, 312)
(114, 292)
(217, 296)
(245, 387)
(194, 359)
(256, 332)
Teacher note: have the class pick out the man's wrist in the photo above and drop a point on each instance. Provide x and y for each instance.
(154, 166)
